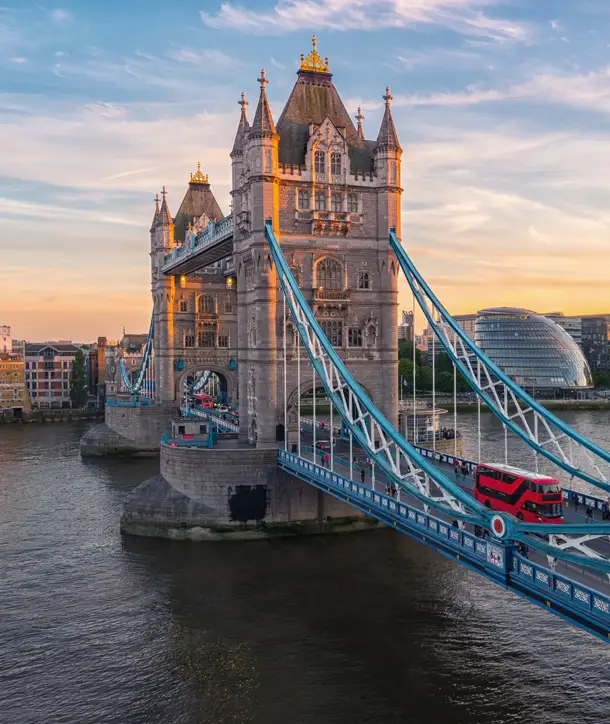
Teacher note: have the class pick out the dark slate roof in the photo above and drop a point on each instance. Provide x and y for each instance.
(387, 132)
(263, 120)
(313, 99)
(198, 200)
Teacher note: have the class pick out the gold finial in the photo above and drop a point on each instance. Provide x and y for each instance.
(198, 177)
(313, 62)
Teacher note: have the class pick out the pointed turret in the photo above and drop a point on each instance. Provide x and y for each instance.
(263, 121)
(387, 138)
(155, 220)
(242, 128)
(165, 217)
(359, 117)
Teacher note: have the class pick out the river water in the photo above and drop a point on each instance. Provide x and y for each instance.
(366, 628)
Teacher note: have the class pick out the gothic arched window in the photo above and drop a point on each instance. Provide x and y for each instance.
(336, 202)
(333, 329)
(320, 162)
(320, 201)
(206, 305)
(354, 337)
(303, 199)
(329, 274)
(352, 203)
(335, 164)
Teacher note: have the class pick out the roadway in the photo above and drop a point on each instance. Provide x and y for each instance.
(588, 578)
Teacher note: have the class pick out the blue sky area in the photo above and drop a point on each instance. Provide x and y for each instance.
(502, 110)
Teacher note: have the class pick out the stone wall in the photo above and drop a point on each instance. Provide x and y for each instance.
(128, 431)
(231, 491)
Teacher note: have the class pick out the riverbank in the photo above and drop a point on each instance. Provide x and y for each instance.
(548, 404)
(52, 416)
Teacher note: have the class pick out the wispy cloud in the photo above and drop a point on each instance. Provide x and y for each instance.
(463, 16)
(59, 15)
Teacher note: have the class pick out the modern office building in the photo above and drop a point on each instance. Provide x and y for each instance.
(535, 351)
(466, 322)
(596, 341)
(48, 367)
(405, 328)
(571, 324)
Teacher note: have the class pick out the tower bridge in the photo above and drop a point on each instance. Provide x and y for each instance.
(294, 292)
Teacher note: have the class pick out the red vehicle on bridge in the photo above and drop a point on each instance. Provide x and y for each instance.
(531, 497)
(205, 401)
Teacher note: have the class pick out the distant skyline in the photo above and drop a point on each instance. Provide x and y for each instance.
(501, 108)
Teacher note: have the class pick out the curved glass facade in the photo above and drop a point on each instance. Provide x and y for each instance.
(531, 349)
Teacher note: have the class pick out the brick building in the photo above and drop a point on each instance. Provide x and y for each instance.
(48, 367)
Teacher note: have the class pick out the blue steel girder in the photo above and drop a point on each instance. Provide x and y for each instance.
(368, 426)
(135, 387)
(488, 390)
(366, 423)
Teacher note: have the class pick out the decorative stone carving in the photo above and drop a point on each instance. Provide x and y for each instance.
(252, 331)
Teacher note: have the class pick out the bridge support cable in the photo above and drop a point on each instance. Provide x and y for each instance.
(391, 453)
(146, 368)
(491, 384)
(499, 393)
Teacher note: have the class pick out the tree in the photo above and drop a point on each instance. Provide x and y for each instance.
(405, 351)
(79, 393)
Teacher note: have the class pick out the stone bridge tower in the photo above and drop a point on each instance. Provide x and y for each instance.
(332, 196)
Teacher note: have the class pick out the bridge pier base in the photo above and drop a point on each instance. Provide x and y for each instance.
(128, 431)
(231, 491)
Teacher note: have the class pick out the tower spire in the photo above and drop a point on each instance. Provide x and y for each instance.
(164, 216)
(387, 133)
(359, 117)
(242, 128)
(263, 121)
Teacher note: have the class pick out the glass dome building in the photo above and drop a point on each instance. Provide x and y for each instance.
(531, 349)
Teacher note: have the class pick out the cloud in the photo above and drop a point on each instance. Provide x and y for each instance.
(462, 16)
(18, 60)
(59, 15)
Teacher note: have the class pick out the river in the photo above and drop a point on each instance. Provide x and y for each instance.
(367, 628)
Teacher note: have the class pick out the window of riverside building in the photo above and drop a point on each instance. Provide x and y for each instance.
(189, 340)
(303, 199)
(363, 280)
(333, 329)
(206, 339)
(206, 305)
(336, 202)
(320, 162)
(223, 340)
(354, 338)
(320, 201)
(228, 306)
(329, 274)
(182, 306)
(352, 203)
(335, 164)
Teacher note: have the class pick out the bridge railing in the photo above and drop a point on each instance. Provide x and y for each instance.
(499, 561)
(146, 402)
(568, 495)
(212, 234)
(167, 439)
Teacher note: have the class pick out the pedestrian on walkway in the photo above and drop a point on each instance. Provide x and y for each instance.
(589, 513)
(456, 469)
(362, 474)
(575, 499)
(393, 490)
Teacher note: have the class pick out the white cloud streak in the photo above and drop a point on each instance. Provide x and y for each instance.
(463, 16)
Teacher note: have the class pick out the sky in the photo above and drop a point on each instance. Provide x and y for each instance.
(502, 109)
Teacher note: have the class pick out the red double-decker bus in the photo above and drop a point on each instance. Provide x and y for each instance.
(205, 401)
(528, 496)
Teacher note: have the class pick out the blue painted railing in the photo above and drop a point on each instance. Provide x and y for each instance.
(568, 494)
(213, 233)
(498, 561)
(146, 402)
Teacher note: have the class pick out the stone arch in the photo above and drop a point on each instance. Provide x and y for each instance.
(306, 386)
(227, 378)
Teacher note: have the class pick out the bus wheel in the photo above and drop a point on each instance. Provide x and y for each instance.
(520, 516)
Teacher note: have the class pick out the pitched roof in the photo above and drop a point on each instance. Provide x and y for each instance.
(387, 132)
(313, 99)
(263, 125)
(36, 348)
(198, 200)
(242, 128)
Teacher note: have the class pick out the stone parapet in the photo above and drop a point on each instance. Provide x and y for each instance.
(231, 491)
